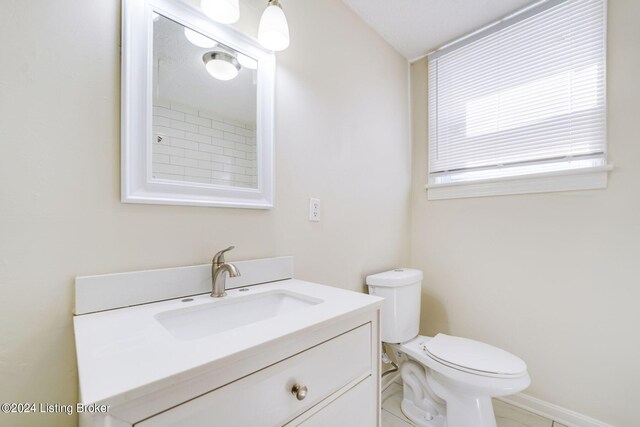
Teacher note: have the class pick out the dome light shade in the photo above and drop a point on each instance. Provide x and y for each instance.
(221, 65)
(198, 39)
(223, 11)
(273, 32)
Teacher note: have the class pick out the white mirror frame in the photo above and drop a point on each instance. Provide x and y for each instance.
(138, 186)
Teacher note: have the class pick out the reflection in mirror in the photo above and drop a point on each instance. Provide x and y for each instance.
(204, 109)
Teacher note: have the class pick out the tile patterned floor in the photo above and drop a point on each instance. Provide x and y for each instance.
(392, 415)
(506, 415)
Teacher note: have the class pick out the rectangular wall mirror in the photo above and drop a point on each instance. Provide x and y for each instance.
(197, 110)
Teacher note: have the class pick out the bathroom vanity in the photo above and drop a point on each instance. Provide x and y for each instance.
(287, 352)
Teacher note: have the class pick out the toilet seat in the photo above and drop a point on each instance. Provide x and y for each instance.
(415, 349)
(473, 356)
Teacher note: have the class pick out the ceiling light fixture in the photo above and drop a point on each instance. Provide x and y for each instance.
(273, 32)
(221, 65)
(223, 11)
(198, 39)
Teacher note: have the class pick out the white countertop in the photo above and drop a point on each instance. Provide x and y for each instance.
(125, 349)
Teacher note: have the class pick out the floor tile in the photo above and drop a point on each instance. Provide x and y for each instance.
(391, 390)
(390, 420)
(391, 399)
(386, 380)
(511, 416)
(506, 415)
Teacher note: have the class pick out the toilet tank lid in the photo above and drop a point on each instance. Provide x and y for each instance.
(395, 278)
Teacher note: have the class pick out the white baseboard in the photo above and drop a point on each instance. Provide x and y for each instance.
(551, 411)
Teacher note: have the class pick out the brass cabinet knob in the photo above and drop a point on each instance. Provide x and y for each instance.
(299, 391)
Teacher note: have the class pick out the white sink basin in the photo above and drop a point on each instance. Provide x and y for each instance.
(221, 315)
(133, 351)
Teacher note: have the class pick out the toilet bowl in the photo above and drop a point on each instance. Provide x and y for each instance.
(447, 380)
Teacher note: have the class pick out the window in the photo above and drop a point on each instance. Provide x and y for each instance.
(520, 106)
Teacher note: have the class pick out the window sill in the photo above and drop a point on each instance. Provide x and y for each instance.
(577, 179)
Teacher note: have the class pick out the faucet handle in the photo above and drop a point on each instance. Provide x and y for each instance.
(219, 257)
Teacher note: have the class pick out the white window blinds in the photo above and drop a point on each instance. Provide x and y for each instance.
(525, 96)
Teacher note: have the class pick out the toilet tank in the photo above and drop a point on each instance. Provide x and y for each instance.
(400, 313)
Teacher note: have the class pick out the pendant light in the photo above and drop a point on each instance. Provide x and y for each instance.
(221, 65)
(273, 32)
(198, 39)
(246, 61)
(223, 11)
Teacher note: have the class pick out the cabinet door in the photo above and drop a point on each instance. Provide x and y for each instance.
(355, 408)
(265, 399)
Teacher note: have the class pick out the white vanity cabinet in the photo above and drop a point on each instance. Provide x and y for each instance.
(323, 339)
(337, 370)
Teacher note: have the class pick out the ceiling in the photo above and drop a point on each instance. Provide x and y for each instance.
(414, 27)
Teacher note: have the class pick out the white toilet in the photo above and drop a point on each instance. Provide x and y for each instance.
(448, 381)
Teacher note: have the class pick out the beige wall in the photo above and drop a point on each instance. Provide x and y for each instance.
(554, 278)
(342, 135)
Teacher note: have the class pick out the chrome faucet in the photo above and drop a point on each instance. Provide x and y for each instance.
(218, 267)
